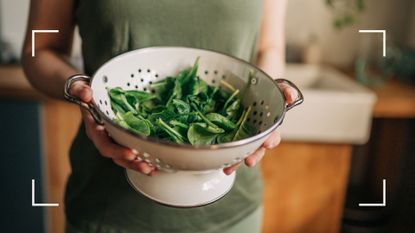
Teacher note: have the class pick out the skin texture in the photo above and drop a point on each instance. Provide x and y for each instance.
(50, 69)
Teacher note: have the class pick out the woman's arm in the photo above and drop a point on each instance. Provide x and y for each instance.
(271, 56)
(50, 68)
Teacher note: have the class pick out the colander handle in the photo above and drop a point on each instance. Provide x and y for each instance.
(68, 85)
(300, 98)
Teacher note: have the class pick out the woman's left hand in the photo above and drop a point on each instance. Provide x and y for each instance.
(272, 141)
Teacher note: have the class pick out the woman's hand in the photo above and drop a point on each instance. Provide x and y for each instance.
(272, 141)
(122, 156)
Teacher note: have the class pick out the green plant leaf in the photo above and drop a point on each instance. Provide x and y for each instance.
(118, 96)
(244, 128)
(174, 134)
(183, 109)
(221, 121)
(181, 106)
(137, 125)
(198, 134)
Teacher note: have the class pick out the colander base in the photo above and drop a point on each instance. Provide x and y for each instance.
(184, 189)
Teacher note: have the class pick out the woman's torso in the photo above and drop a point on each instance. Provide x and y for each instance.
(98, 197)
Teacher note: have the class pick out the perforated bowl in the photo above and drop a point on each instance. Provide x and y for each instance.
(185, 169)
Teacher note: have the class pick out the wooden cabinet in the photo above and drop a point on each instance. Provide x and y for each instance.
(305, 185)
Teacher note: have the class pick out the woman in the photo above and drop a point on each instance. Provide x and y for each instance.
(98, 197)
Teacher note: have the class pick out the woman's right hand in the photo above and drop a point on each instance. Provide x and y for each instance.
(121, 155)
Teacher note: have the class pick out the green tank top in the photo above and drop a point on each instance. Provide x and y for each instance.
(98, 197)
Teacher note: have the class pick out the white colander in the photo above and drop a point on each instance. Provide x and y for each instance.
(187, 175)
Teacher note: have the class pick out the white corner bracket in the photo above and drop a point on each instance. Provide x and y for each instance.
(34, 204)
(383, 34)
(34, 36)
(383, 204)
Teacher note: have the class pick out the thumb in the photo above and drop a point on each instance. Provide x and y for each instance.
(82, 91)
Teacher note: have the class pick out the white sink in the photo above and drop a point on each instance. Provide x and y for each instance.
(336, 109)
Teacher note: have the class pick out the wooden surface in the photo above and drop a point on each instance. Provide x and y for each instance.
(14, 84)
(395, 100)
(61, 121)
(305, 187)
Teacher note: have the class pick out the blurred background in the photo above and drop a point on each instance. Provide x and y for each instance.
(355, 128)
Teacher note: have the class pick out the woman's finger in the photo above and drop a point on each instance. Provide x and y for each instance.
(253, 159)
(82, 91)
(121, 155)
(142, 167)
(231, 169)
(290, 93)
(103, 142)
(273, 140)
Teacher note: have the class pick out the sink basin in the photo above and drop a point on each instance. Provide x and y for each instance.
(336, 109)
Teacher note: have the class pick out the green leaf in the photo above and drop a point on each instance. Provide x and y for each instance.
(176, 136)
(225, 137)
(181, 106)
(211, 127)
(137, 125)
(198, 134)
(234, 94)
(118, 96)
(165, 115)
(163, 88)
(245, 129)
(221, 121)
(183, 109)
(139, 96)
(117, 108)
(198, 86)
(233, 110)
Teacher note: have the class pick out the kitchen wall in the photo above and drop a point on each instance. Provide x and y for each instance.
(306, 18)
(13, 22)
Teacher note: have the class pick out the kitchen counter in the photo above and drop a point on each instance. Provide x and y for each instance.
(13, 83)
(395, 100)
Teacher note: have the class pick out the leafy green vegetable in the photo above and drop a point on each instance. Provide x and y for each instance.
(221, 121)
(199, 134)
(137, 125)
(244, 129)
(117, 95)
(184, 109)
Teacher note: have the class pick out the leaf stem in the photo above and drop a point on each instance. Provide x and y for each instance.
(170, 130)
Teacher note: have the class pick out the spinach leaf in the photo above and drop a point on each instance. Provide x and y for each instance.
(233, 110)
(181, 106)
(118, 96)
(139, 96)
(117, 108)
(244, 128)
(137, 125)
(221, 121)
(198, 86)
(184, 109)
(210, 126)
(176, 136)
(198, 134)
